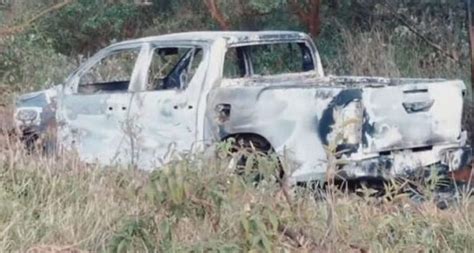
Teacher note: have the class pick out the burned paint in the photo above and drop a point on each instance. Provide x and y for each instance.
(368, 129)
(327, 119)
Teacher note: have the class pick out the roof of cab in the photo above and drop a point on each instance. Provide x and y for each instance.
(233, 37)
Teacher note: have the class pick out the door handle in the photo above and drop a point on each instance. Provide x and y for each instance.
(183, 106)
(422, 106)
(111, 108)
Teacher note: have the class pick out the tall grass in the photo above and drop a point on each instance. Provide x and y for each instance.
(200, 205)
(393, 53)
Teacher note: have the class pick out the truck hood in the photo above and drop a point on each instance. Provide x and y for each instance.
(37, 109)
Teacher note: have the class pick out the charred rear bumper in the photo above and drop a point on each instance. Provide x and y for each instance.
(407, 164)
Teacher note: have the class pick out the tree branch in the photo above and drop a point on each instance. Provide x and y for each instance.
(22, 27)
(410, 27)
(315, 18)
(311, 18)
(299, 11)
(217, 14)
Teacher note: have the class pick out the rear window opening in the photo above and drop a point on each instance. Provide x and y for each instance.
(267, 59)
(173, 68)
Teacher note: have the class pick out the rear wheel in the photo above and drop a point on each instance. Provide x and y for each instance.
(255, 158)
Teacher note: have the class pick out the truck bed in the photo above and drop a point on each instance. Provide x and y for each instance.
(313, 78)
(361, 117)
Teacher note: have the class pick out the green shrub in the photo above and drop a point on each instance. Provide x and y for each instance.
(201, 205)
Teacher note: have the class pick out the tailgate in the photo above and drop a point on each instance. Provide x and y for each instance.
(412, 115)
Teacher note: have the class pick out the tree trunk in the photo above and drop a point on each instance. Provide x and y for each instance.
(470, 26)
(217, 14)
(308, 14)
(470, 103)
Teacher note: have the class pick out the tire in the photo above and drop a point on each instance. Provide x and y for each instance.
(248, 152)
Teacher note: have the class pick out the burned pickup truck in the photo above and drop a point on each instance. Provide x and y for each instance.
(141, 101)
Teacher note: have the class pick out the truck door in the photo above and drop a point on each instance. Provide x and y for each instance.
(94, 110)
(164, 116)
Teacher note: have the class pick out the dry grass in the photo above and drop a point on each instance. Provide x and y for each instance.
(6, 118)
(199, 205)
(371, 54)
(395, 53)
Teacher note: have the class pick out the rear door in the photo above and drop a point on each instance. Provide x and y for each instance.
(412, 115)
(94, 110)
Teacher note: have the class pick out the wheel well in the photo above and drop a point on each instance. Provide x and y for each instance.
(258, 141)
